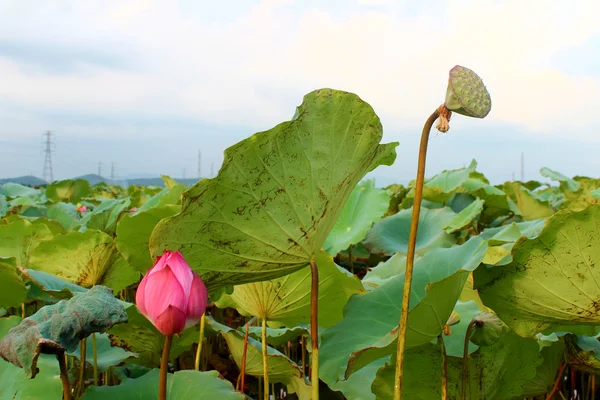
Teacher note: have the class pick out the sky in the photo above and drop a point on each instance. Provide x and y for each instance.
(145, 85)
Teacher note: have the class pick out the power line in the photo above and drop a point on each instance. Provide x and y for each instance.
(48, 174)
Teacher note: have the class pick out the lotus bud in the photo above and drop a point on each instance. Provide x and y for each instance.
(171, 295)
(81, 208)
(488, 329)
(466, 94)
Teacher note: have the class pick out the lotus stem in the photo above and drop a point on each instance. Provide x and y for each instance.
(82, 354)
(314, 329)
(243, 372)
(265, 359)
(303, 349)
(440, 341)
(64, 375)
(95, 355)
(200, 341)
(465, 361)
(410, 257)
(559, 379)
(351, 259)
(164, 369)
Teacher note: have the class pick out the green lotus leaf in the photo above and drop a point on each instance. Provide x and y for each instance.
(14, 190)
(390, 235)
(552, 279)
(455, 341)
(488, 329)
(85, 258)
(439, 277)
(47, 286)
(465, 217)
(496, 372)
(19, 238)
(53, 226)
(277, 336)
(386, 270)
(12, 288)
(15, 385)
(68, 191)
(278, 193)
(583, 352)
(285, 301)
(569, 183)
(365, 205)
(106, 215)
(107, 355)
(585, 196)
(64, 213)
(529, 206)
(189, 385)
(133, 235)
(281, 368)
(166, 197)
(60, 327)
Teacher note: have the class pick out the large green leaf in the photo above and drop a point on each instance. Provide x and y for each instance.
(15, 385)
(69, 191)
(365, 205)
(133, 235)
(285, 301)
(189, 385)
(107, 355)
(465, 217)
(278, 193)
(552, 278)
(61, 326)
(585, 196)
(369, 328)
(12, 287)
(502, 239)
(568, 183)
(166, 197)
(529, 206)
(281, 368)
(390, 235)
(86, 258)
(358, 385)
(106, 215)
(497, 372)
(18, 239)
(45, 285)
(14, 190)
(64, 213)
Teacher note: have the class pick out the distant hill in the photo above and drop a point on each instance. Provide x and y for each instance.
(94, 179)
(28, 180)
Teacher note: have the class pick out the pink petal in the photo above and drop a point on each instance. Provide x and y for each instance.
(197, 301)
(140, 296)
(171, 321)
(182, 271)
(163, 290)
(160, 264)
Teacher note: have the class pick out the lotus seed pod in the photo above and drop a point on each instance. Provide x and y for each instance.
(466, 94)
(488, 329)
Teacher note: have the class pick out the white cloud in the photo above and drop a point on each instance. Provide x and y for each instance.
(253, 69)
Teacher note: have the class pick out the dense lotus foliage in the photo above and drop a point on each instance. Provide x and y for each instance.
(515, 265)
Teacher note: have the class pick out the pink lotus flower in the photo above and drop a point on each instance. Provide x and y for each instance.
(82, 209)
(171, 295)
